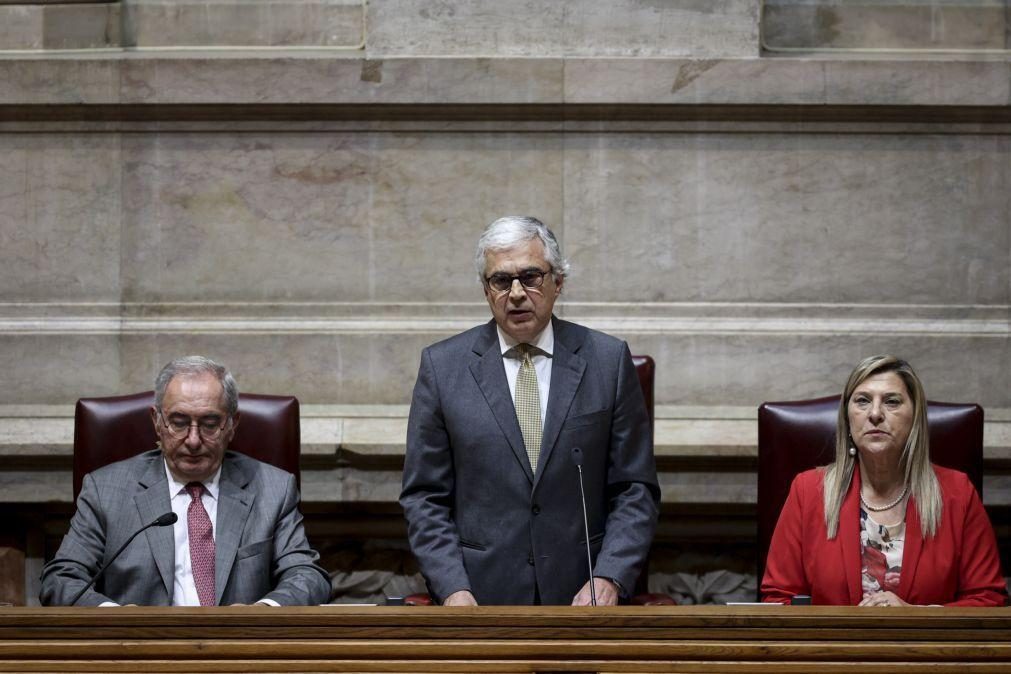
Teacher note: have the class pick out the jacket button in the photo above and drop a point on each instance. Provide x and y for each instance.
(530, 560)
(536, 509)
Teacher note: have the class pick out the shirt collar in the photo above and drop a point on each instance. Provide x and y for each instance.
(211, 484)
(545, 341)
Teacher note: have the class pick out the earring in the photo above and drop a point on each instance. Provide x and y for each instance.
(853, 450)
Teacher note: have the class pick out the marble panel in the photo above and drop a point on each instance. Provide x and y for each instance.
(751, 369)
(81, 26)
(706, 369)
(694, 81)
(863, 219)
(20, 27)
(339, 78)
(58, 369)
(59, 26)
(831, 24)
(920, 83)
(252, 23)
(563, 28)
(266, 78)
(790, 81)
(59, 218)
(340, 369)
(323, 217)
(42, 80)
(19, 486)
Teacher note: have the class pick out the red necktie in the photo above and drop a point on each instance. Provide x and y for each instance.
(201, 545)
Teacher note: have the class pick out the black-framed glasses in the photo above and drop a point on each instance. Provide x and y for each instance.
(209, 428)
(528, 278)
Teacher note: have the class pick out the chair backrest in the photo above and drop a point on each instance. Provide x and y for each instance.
(115, 428)
(800, 435)
(645, 368)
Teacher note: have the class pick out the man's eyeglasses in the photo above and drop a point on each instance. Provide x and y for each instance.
(528, 278)
(209, 428)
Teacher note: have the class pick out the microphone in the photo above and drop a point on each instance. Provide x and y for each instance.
(577, 458)
(165, 520)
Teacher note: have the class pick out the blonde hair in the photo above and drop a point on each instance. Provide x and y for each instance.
(915, 458)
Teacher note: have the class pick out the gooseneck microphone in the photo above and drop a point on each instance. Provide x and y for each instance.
(163, 521)
(577, 458)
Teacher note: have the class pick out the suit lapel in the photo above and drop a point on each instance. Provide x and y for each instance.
(152, 502)
(849, 538)
(489, 373)
(911, 548)
(567, 370)
(234, 504)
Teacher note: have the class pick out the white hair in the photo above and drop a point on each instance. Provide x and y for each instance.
(513, 230)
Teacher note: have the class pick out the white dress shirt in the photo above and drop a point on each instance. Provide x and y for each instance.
(184, 591)
(545, 341)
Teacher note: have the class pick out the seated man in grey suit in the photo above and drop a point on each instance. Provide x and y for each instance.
(239, 536)
(490, 489)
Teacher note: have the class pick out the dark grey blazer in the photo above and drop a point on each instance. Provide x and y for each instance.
(479, 519)
(260, 545)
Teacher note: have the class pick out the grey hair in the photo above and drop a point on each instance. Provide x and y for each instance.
(915, 459)
(195, 365)
(513, 230)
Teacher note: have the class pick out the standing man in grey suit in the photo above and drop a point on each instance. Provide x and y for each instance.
(490, 490)
(239, 536)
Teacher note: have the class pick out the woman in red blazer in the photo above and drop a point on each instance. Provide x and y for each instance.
(882, 526)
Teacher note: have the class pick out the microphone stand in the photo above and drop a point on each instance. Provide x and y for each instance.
(577, 458)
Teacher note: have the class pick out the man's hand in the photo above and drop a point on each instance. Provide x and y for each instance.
(460, 598)
(607, 593)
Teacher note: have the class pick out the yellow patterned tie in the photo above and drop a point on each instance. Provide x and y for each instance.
(528, 404)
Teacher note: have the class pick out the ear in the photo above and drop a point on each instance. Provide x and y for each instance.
(559, 282)
(154, 417)
(235, 425)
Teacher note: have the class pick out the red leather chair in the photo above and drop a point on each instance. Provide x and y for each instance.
(115, 428)
(645, 368)
(800, 435)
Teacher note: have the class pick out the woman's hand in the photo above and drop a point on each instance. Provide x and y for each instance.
(882, 599)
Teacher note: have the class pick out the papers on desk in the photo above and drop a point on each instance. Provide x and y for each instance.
(349, 604)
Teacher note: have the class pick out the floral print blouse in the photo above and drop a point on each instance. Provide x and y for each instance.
(881, 554)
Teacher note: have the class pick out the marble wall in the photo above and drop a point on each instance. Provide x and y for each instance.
(753, 265)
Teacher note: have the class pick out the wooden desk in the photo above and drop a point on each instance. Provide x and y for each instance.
(505, 639)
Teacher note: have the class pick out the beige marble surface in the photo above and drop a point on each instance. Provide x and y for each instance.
(348, 217)
(250, 23)
(925, 24)
(264, 77)
(564, 27)
(872, 80)
(789, 218)
(60, 226)
(57, 26)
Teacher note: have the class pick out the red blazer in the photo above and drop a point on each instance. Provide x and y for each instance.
(958, 566)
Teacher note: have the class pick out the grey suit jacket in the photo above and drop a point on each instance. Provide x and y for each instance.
(479, 519)
(260, 546)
